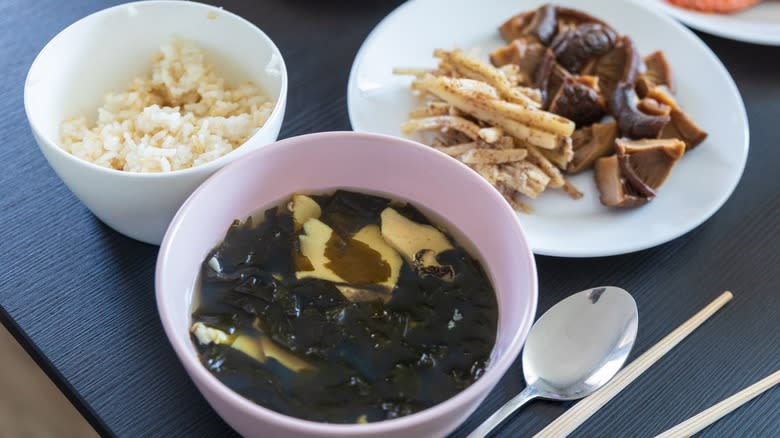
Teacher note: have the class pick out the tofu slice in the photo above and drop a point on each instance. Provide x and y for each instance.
(313, 245)
(372, 236)
(304, 208)
(313, 242)
(410, 238)
(250, 346)
(258, 348)
(207, 335)
(284, 357)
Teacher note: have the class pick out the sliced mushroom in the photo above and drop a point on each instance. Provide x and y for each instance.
(543, 24)
(680, 125)
(544, 73)
(632, 122)
(630, 178)
(524, 53)
(651, 160)
(574, 47)
(683, 127)
(614, 189)
(591, 143)
(578, 100)
(514, 27)
(621, 64)
(540, 24)
(657, 73)
(555, 79)
(653, 107)
(662, 94)
(568, 18)
(633, 179)
(507, 55)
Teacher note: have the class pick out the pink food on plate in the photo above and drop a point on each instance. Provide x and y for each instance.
(718, 6)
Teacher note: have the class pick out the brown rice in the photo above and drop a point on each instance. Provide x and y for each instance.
(181, 115)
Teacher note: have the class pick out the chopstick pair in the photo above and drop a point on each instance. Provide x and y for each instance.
(574, 417)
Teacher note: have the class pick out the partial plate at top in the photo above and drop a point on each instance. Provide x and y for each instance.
(699, 184)
(759, 24)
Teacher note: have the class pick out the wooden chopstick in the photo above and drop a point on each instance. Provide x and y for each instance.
(707, 417)
(574, 417)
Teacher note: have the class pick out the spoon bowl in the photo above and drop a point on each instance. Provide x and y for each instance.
(574, 349)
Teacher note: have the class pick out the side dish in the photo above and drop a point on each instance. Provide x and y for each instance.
(566, 94)
(179, 116)
(717, 6)
(343, 308)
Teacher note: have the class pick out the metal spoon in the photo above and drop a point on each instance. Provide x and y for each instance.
(573, 349)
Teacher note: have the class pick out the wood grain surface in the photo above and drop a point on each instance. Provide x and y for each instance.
(80, 297)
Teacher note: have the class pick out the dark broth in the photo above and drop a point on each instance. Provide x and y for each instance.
(352, 361)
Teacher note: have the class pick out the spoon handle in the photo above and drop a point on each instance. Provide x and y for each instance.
(528, 394)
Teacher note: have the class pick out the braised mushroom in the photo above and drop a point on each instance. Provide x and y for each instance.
(680, 124)
(651, 160)
(622, 63)
(578, 100)
(683, 127)
(524, 53)
(630, 177)
(657, 73)
(514, 27)
(555, 79)
(508, 54)
(543, 24)
(631, 121)
(591, 143)
(614, 189)
(653, 107)
(544, 73)
(574, 47)
(540, 24)
(550, 77)
(568, 18)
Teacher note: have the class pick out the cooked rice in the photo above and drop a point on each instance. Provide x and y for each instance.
(180, 116)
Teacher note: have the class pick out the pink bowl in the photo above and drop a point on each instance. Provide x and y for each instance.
(399, 168)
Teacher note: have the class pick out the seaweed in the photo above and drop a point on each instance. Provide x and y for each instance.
(346, 212)
(370, 360)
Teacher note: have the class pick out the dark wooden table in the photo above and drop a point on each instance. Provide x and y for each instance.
(80, 297)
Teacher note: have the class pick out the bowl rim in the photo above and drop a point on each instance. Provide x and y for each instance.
(200, 375)
(210, 166)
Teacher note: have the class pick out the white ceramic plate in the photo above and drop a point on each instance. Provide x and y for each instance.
(703, 180)
(759, 24)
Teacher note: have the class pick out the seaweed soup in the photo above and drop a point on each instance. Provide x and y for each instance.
(343, 308)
